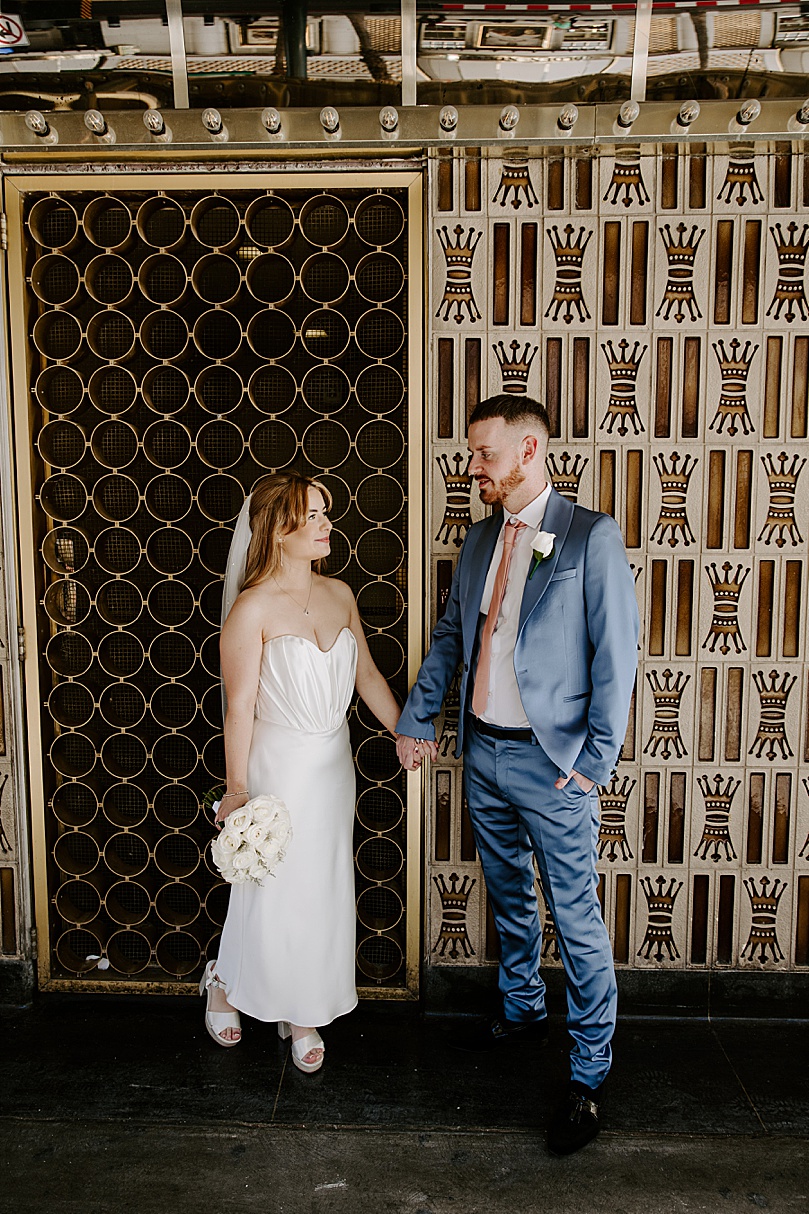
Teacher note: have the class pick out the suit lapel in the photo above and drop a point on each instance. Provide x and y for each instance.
(558, 517)
(486, 538)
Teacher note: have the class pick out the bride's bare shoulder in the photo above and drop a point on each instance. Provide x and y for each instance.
(250, 609)
(339, 593)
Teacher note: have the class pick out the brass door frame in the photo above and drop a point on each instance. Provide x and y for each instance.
(15, 189)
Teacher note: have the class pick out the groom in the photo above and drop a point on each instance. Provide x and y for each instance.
(542, 613)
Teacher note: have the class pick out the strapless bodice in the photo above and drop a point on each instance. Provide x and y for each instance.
(304, 687)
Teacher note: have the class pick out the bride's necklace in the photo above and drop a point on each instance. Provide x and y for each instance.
(305, 609)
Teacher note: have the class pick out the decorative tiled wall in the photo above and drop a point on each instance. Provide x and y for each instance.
(656, 302)
(9, 843)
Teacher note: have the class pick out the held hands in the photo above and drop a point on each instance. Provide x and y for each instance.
(411, 751)
(227, 806)
(584, 784)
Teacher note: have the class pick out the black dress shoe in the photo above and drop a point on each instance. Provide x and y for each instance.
(575, 1122)
(496, 1032)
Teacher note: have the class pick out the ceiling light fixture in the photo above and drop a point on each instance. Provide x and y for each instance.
(689, 113)
(568, 117)
(448, 119)
(97, 125)
(509, 117)
(389, 119)
(212, 121)
(749, 112)
(330, 121)
(628, 114)
(38, 124)
(156, 126)
(271, 121)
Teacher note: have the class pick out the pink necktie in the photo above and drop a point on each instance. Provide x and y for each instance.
(480, 694)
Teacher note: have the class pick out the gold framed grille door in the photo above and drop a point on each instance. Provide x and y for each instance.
(174, 338)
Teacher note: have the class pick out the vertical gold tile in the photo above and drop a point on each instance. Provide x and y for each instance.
(802, 926)
(764, 621)
(665, 352)
(472, 199)
(528, 274)
(744, 484)
(782, 177)
(584, 183)
(443, 815)
(691, 393)
(581, 387)
(699, 920)
(707, 714)
(634, 498)
(468, 849)
(734, 700)
(553, 384)
(676, 838)
(623, 916)
(751, 271)
(640, 272)
(651, 814)
(772, 388)
(501, 276)
(669, 174)
(472, 354)
(755, 818)
(657, 622)
(556, 185)
(606, 483)
(685, 605)
(715, 523)
(446, 188)
(611, 281)
(724, 927)
(723, 272)
(781, 818)
(792, 608)
(446, 386)
(800, 387)
(697, 177)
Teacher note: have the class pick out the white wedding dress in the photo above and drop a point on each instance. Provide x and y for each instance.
(287, 950)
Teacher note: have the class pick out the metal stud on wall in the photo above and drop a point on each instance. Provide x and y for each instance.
(183, 344)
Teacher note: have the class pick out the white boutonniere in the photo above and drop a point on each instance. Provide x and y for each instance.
(542, 548)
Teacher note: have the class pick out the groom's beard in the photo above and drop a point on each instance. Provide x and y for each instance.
(493, 493)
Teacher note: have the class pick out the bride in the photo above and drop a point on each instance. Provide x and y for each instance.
(292, 650)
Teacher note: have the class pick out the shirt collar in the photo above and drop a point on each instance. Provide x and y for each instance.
(532, 514)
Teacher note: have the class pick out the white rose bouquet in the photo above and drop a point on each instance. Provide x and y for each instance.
(253, 840)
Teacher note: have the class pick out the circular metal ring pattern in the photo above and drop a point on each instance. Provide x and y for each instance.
(212, 707)
(71, 705)
(129, 952)
(376, 760)
(175, 757)
(340, 553)
(379, 220)
(74, 804)
(73, 755)
(109, 279)
(170, 551)
(380, 809)
(380, 552)
(380, 498)
(59, 389)
(170, 603)
(57, 336)
(381, 604)
(173, 706)
(53, 223)
(124, 756)
(120, 654)
(172, 655)
(380, 333)
(161, 222)
(163, 334)
(166, 444)
(273, 445)
(271, 334)
(269, 222)
(324, 220)
(176, 806)
(214, 547)
(387, 654)
(67, 602)
(126, 854)
(178, 904)
(380, 444)
(216, 278)
(379, 858)
(119, 602)
(219, 389)
(326, 444)
(55, 279)
(63, 497)
(69, 654)
(325, 334)
(74, 947)
(220, 497)
(107, 222)
(65, 550)
(77, 902)
(325, 277)
(116, 497)
(379, 908)
(213, 757)
(112, 390)
(114, 444)
(220, 444)
(166, 389)
(111, 335)
(218, 334)
(216, 903)
(270, 278)
(178, 953)
(210, 602)
(127, 903)
(168, 497)
(340, 495)
(379, 958)
(272, 389)
(125, 805)
(62, 443)
(76, 853)
(215, 222)
(326, 389)
(379, 277)
(122, 705)
(163, 279)
(117, 550)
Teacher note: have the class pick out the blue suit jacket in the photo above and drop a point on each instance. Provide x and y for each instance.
(576, 652)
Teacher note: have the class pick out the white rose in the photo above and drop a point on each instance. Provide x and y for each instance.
(263, 811)
(227, 842)
(242, 859)
(257, 872)
(271, 851)
(238, 821)
(542, 544)
(254, 835)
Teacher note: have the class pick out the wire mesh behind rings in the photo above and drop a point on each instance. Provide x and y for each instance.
(183, 345)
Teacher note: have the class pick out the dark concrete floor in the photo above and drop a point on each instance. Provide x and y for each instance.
(115, 1104)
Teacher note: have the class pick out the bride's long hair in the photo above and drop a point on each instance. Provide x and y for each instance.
(279, 505)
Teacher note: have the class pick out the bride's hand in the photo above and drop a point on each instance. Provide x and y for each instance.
(227, 806)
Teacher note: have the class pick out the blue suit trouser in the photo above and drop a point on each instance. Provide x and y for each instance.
(516, 814)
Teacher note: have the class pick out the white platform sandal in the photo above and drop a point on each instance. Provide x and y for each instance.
(300, 1048)
(217, 1022)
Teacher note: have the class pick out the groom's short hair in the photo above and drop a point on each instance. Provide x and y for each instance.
(514, 410)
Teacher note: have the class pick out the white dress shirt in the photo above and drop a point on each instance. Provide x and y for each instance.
(504, 706)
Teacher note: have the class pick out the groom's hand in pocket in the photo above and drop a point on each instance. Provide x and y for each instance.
(584, 784)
